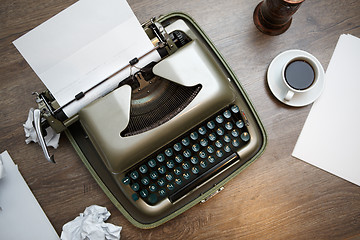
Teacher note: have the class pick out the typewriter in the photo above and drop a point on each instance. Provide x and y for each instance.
(171, 134)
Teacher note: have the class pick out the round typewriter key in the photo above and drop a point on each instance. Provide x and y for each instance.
(134, 175)
(210, 149)
(185, 141)
(160, 157)
(210, 125)
(220, 131)
(135, 187)
(178, 158)
(194, 160)
(212, 137)
(186, 175)
(235, 133)
(126, 180)
(170, 164)
(161, 182)
(170, 186)
(227, 114)
(154, 175)
(235, 143)
(203, 164)
(194, 135)
(152, 163)
(144, 193)
(185, 165)
(195, 170)
(235, 109)
(145, 181)
(178, 181)
(177, 171)
(162, 192)
(169, 152)
(143, 169)
(135, 197)
(218, 144)
(227, 138)
(227, 148)
(152, 187)
(169, 176)
(187, 153)
(152, 198)
(202, 154)
(204, 142)
(177, 147)
(219, 153)
(228, 125)
(162, 169)
(245, 136)
(240, 124)
(195, 147)
(211, 159)
(202, 130)
(219, 119)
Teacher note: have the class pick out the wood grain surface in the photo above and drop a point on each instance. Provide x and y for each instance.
(277, 197)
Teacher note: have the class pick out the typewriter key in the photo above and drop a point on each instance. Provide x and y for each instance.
(227, 114)
(235, 109)
(143, 169)
(210, 125)
(162, 169)
(145, 181)
(126, 180)
(144, 193)
(178, 158)
(169, 152)
(245, 136)
(161, 182)
(135, 187)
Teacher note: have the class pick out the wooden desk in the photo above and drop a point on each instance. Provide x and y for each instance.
(278, 197)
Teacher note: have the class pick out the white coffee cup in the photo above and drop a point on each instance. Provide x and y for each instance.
(299, 74)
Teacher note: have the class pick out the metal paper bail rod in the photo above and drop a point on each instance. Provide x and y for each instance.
(37, 118)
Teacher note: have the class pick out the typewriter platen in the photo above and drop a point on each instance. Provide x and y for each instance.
(172, 134)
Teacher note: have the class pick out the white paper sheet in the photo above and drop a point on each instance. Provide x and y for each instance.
(21, 216)
(83, 45)
(330, 137)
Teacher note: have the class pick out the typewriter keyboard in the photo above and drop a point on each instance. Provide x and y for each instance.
(191, 159)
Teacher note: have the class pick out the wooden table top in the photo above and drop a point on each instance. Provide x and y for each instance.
(277, 197)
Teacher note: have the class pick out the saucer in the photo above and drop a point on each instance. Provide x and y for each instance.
(278, 87)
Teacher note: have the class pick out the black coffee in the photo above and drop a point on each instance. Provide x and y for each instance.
(299, 74)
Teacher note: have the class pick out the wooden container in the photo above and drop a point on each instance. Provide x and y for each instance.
(274, 17)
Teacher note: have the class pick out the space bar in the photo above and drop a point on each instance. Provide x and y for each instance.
(204, 176)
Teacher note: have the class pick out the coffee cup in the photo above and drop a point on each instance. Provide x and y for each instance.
(299, 74)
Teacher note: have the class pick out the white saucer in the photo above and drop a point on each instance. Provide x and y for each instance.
(278, 87)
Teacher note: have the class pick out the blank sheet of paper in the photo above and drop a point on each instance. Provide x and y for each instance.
(21, 216)
(83, 45)
(330, 138)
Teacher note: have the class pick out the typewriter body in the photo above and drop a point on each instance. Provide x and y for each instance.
(171, 134)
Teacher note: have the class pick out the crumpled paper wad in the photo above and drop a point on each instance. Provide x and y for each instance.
(51, 138)
(90, 225)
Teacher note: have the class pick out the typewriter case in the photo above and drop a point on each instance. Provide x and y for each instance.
(90, 152)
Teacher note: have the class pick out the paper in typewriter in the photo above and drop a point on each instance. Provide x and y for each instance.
(83, 45)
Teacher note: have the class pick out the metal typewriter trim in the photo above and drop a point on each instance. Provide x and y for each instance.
(89, 156)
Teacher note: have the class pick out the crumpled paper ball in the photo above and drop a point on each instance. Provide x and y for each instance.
(90, 225)
(51, 139)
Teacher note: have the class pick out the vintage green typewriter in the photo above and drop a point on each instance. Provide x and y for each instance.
(171, 134)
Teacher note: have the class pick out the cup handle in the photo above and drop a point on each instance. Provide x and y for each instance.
(289, 95)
